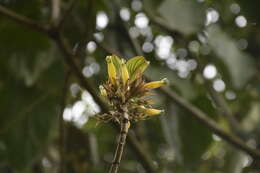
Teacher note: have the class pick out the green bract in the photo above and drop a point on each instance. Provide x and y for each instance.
(136, 66)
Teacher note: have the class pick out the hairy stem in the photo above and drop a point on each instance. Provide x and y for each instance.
(120, 144)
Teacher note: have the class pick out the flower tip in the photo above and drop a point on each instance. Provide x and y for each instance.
(165, 81)
(108, 59)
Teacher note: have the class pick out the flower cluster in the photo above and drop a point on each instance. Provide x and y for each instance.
(126, 87)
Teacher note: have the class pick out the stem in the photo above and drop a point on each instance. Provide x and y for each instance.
(120, 144)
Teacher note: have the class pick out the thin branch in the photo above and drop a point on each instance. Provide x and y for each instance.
(34, 25)
(70, 61)
(221, 104)
(212, 125)
(66, 13)
(223, 108)
(121, 142)
(61, 123)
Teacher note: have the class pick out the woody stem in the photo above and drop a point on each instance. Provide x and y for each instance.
(121, 143)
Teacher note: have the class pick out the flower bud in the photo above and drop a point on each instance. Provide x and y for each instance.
(155, 84)
(111, 70)
(124, 72)
(150, 111)
(102, 90)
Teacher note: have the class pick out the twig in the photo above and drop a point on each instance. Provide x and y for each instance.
(24, 20)
(223, 108)
(203, 118)
(221, 104)
(121, 142)
(67, 12)
(61, 123)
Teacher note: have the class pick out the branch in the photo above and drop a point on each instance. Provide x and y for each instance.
(34, 25)
(70, 61)
(67, 13)
(121, 142)
(223, 108)
(203, 118)
(221, 104)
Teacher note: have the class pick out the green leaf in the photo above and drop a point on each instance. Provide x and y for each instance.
(28, 116)
(136, 66)
(240, 65)
(185, 16)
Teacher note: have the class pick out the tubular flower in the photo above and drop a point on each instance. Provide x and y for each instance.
(126, 88)
(155, 84)
(111, 70)
(151, 111)
(124, 72)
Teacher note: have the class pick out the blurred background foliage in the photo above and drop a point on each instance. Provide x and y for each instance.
(208, 49)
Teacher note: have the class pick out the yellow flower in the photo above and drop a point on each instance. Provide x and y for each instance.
(111, 70)
(155, 84)
(124, 72)
(150, 111)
